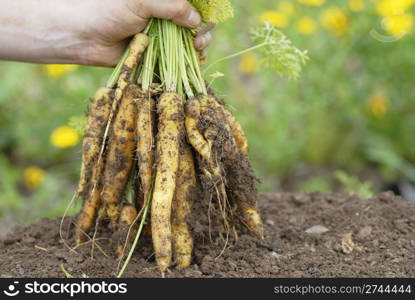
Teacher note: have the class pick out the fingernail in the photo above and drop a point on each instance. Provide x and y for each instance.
(194, 18)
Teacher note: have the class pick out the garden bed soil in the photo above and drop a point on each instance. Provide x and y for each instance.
(307, 235)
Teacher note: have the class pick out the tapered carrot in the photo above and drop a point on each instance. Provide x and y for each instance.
(196, 139)
(99, 112)
(120, 153)
(182, 203)
(170, 108)
(146, 123)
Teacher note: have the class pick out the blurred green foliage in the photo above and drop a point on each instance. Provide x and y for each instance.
(351, 108)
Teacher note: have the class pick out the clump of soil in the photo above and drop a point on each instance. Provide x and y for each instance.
(307, 235)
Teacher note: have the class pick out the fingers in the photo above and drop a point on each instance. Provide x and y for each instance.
(201, 42)
(204, 36)
(180, 12)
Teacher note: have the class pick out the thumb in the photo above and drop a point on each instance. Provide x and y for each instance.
(180, 12)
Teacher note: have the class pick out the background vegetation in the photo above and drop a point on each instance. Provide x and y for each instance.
(347, 124)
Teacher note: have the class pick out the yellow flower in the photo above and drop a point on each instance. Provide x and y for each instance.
(335, 20)
(398, 25)
(64, 137)
(393, 7)
(312, 2)
(59, 70)
(33, 177)
(378, 105)
(275, 18)
(356, 5)
(306, 26)
(286, 7)
(249, 63)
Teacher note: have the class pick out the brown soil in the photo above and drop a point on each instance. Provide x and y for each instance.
(365, 238)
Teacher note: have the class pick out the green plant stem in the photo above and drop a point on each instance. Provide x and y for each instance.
(137, 237)
(198, 82)
(237, 54)
(67, 274)
(162, 54)
(193, 79)
(139, 69)
(117, 70)
(169, 51)
(148, 27)
(136, 73)
(182, 66)
(148, 66)
(176, 58)
(192, 74)
(150, 60)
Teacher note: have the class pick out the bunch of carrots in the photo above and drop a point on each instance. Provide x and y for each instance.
(158, 133)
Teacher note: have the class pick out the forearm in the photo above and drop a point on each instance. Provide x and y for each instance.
(37, 31)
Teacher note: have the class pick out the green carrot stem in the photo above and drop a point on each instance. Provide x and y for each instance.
(237, 54)
(162, 54)
(182, 66)
(148, 27)
(198, 81)
(169, 61)
(117, 70)
(150, 59)
(137, 237)
(192, 74)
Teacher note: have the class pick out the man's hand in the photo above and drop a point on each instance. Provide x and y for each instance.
(90, 32)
